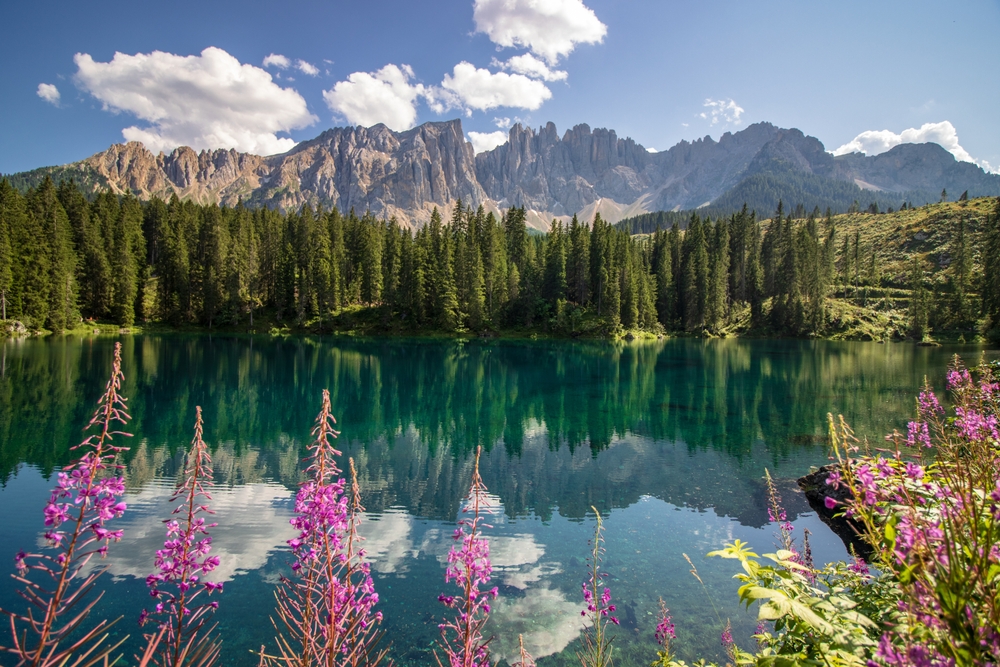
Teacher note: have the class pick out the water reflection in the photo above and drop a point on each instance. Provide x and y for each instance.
(735, 405)
(255, 526)
(671, 438)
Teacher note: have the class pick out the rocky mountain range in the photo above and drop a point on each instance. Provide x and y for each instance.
(407, 174)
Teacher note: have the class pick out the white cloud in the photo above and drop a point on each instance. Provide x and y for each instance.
(531, 66)
(722, 111)
(548, 28)
(49, 93)
(650, 149)
(385, 96)
(277, 60)
(388, 540)
(503, 123)
(253, 524)
(306, 68)
(944, 134)
(481, 89)
(487, 141)
(204, 101)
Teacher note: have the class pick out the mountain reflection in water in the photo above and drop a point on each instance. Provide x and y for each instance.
(670, 439)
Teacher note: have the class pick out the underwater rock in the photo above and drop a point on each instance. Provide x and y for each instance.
(816, 490)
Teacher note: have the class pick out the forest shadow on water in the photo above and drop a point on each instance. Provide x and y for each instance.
(668, 439)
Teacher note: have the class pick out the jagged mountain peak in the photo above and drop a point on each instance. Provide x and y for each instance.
(585, 170)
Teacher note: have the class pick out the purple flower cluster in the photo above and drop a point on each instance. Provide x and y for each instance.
(975, 426)
(600, 606)
(329, 608)
(665, 627)
(912, 655)
(184, 560)
(87, 494)
(939, 525)
(776, 513)
(597, 596)
(469, 567)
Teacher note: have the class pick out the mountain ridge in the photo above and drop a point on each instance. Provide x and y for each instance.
(408, 174)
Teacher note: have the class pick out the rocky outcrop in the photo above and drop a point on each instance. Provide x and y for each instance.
(816, 491)
(407, 174)
(911, 167)
(220, 176)
(403, 174)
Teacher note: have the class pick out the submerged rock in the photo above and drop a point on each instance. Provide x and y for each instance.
(816, 490)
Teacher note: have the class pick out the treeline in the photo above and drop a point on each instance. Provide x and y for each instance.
(63, 258)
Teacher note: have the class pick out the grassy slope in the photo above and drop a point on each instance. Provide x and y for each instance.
(926, 231)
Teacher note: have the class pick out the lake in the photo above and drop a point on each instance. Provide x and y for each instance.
(669, 440)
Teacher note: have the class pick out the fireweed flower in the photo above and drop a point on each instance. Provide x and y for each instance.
(917, 434)
(469, 567)
(776, 514)
(935, 526)
(326, 614)
(665, 630)
(87, 494)
(181, 563)
(597, 598)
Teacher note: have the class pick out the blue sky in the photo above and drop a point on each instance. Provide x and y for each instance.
(260, 76)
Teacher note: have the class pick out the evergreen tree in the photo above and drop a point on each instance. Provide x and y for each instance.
(961, 277)
(496, 267)
(57, 240)
(211, 276)
(554, 287)
(578, 269)
(919, 310)
(755, 274)
(662, 267)
(990, 279)
(717, 305)
(6, 247)
(696, 275)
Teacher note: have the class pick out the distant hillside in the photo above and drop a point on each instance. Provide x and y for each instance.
(800, 191)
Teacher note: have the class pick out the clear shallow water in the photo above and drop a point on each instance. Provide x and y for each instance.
(669, 440)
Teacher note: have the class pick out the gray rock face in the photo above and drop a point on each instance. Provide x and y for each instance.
(403, 174)
(917, 167)
(408, 174)
(563, 176)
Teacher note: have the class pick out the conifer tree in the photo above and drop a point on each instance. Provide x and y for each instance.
(578, 268)
(990, 279)
(554, 287)
(6, 247)
(755, 277)
(57, 240)
(961, 277)
(918, 312)
(717, 306)
(696, 275)
(124, 273)
(517, 236)
(496, 266)
(663, 272)
(629, 287)
(213, 257)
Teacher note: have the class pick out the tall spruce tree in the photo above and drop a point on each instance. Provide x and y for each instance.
(961, 277)
(57, 238)
(991, 279)
(920, 300)
(7, 194)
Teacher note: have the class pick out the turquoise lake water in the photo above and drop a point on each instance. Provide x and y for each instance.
(669, 440)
